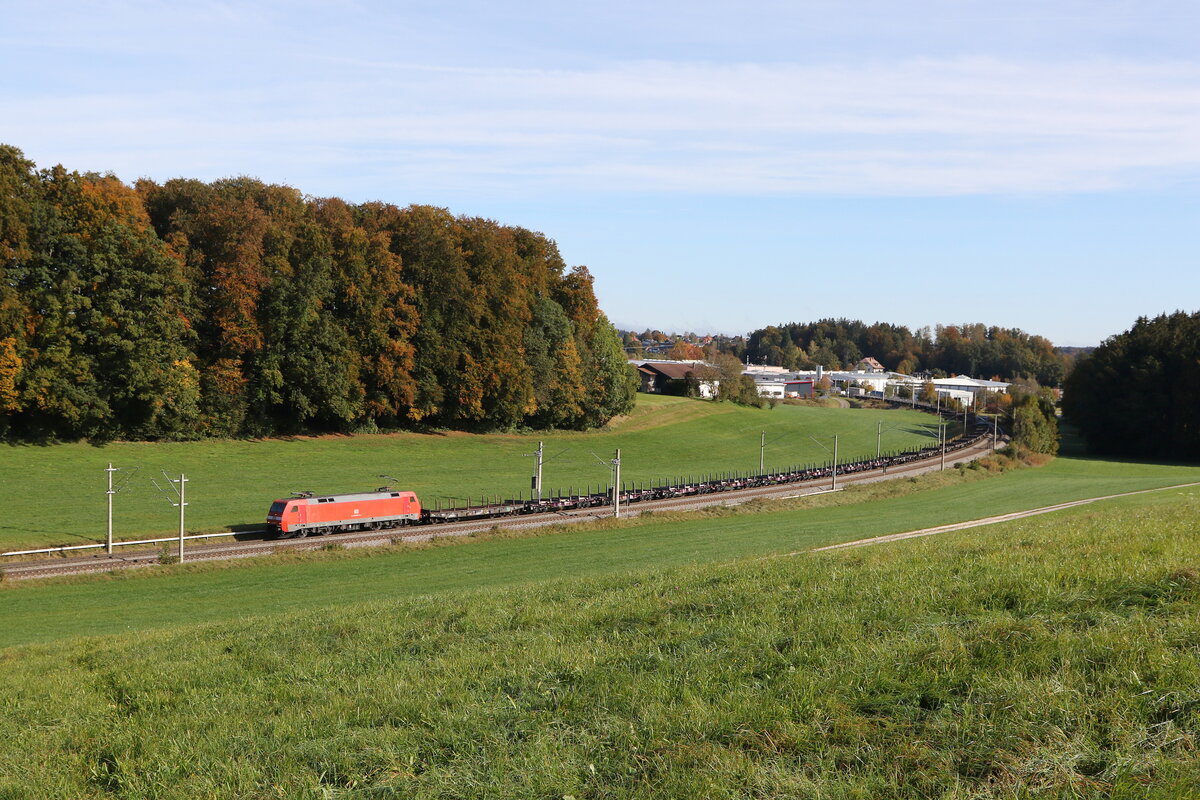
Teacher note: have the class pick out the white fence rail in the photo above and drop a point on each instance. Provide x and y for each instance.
(119, 544)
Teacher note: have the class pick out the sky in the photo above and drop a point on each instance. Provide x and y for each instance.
(718, 166)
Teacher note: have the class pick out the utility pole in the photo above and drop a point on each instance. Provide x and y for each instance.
(616, 462)
(878, 436)
(942, 429)
(995, 427)
(835, 456)
(537, 478)
(171, 493)
(762, 450)
(110, 494)
(536, 482)
(835, 445)
(615, 466)
(182, 503)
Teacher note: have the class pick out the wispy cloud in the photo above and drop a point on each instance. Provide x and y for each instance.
(918, 126)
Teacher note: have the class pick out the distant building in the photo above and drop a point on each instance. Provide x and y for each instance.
(869, 364)
(782, 385)
(670, 377)
(965, 389)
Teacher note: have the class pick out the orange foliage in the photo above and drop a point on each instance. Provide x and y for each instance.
(10, 368)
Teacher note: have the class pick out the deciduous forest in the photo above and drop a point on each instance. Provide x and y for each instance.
(970, 349)
(238, 308)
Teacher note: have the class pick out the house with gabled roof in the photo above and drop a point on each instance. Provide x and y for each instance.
(869, 364)
(657, 377)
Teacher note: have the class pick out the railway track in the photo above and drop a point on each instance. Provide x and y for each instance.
(252, 547)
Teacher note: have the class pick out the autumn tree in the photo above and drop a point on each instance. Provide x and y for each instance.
(239, 308)
(633, 345)
(373, 304)
(684, 351)
(235, 236)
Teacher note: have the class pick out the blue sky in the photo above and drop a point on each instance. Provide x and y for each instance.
(718, 166)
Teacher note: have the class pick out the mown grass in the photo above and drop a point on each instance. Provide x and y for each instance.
(55, 495)
(46, 611)
(1052, 657)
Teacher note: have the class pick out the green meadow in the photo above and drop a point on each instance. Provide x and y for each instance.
(55, 495)
(142, 600)
(1056, 656)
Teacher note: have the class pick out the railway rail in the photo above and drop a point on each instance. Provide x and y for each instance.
(682, 497)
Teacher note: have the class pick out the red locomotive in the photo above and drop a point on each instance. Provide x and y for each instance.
(306, 513)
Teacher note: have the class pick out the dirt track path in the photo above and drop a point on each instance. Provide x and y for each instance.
(975, 523)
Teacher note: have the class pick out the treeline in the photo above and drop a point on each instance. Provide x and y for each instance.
(237, 308)
(970, 349)
(1138, 394)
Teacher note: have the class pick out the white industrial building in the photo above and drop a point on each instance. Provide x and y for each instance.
(780, 382)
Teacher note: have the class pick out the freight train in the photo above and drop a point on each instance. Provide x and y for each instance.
(308, 514)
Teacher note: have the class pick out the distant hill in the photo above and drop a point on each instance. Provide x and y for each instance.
(974, 349)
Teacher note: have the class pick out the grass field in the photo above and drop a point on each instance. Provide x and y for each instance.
(55, 495)
(42, 612)
(1053, 657)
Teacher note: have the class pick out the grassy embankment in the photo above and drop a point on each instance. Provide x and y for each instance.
(41, 612)
(55, 495)
(1052, 657)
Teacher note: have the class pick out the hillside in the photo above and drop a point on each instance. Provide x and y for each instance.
(1051, 657)
(55, 495)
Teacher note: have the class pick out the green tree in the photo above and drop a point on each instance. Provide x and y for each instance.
(1035, 425)
(732, 385)
(307, 373)
(109, 349)
(547, 334)
(1138, 394)
(613, 381)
